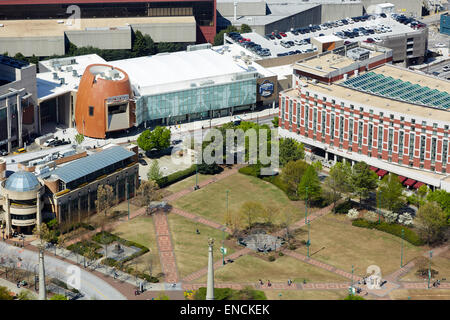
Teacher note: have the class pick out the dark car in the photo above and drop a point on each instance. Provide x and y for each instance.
(277, 36)
(237, 122)
(321, 35)
(143, 162)
(383, 15)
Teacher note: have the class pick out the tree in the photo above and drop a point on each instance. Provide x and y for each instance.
(290, 150)
(391, 192)
(430, 221)
(337, 181)
(4, 294)
(363, 180)
(292, 174)
(317, 165)
(59, 297)
(154, 173)
(143, 45)
(105, 198)
(422, 193)
(79, 138)
(270, 213)
(150, 264)
(250, 211)
(26, 295)
(44, 235)
(91, 254)
(275, 122)
(158, 139)
(286, 221)
(442, 197)
(245, 28)
(233, 220)
(309, 187)
(218, 38)
(148, 192)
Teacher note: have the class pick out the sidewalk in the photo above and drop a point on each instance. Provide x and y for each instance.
(101, 268)
(13, 287)
(175, 129)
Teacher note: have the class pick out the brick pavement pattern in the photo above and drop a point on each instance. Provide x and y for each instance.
(165, 248)
(200, 219)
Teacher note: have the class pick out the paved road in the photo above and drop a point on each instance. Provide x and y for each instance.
(90, 285)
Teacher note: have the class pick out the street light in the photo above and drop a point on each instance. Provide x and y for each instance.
(401, 257)
(128, 196)
(308, 243)
(223, 237)
(429, 269)
(379, 207)
(306, 204)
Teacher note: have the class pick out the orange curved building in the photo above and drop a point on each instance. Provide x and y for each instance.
(104, 101)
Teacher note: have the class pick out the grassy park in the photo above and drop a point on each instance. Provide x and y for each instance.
(142, 231)
(440, 263)
(191, 249)
(210, 201)
(336, 242)
(250, 269)
(187, 183)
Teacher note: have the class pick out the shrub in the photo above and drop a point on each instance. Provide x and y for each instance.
(292, 246)
(395, 229)
(251, 170)
(271, 258)
(353, 297)
(405, 219)
(390, 217)
(176, 176)
(280, 254)
(371, 216)
(352, 214)
(344, 207)
(231, 294)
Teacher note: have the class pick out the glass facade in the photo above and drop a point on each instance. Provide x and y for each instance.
(197, 100)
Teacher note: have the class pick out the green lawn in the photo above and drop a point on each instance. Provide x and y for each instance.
(440, 263)
(191, 249)
(250, 269)
(336, 242)
(189, 182)
(142, 231)
(420, 294)
(210, 201)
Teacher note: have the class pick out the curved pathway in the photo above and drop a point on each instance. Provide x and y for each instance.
(92, 286)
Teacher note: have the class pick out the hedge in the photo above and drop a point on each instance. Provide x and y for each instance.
(392, 228)
(345, 206)
(231, 294)
(176, 176)
(81, 247)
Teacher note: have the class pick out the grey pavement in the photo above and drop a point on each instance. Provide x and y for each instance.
(106, 270)
(90, 285)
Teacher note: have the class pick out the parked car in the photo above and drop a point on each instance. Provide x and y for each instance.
(283, 34)
(440, 45)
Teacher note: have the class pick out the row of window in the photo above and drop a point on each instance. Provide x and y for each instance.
(370, 134)
(381, 114)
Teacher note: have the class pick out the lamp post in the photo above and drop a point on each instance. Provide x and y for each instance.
(223, 236)
(306, 204)
(308, 243)
(429, 269)
(379, 208)
(128, 197)
(401, 257)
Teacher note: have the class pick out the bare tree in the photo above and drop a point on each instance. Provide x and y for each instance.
(150, 260)
(250, 211)
(148, 192)
(105, 198)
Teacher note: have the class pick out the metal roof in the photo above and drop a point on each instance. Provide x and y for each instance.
(84, 166)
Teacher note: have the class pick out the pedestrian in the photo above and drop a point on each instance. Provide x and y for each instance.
(261, 282)
(268, 283)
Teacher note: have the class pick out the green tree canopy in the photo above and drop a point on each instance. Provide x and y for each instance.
(4, 294)
(59, 297)
(158, 139)
(154, 173)
(218, 38)
(338, 181)
(441, 197)
(363, 180)
(309, 187)
(245, 28)
(275, 122)
(292, 173)
(430, 221)
(290, 150)
(391, 192)
(143, 45)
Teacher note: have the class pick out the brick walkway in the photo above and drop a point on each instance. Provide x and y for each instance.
(321, 265)
(165, 248)
(200, 219)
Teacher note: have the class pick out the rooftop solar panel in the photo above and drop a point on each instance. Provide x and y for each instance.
(389, 87)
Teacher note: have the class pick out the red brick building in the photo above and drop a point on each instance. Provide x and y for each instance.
(363, 110)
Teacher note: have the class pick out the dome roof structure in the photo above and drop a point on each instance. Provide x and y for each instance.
(22, 181)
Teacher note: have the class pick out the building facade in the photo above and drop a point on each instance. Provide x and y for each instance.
(67, 193)
(18, 102)
(391, 118)
(445, 24)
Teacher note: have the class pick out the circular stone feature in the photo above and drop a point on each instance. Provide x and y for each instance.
(261, 242)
